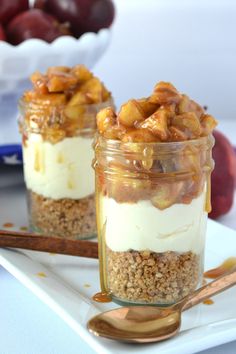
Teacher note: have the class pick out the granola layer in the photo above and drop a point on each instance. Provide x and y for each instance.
(69, 218)
(149, 277)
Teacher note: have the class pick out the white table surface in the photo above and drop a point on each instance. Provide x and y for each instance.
(138, 56)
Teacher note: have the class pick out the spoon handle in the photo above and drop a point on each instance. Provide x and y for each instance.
(215, 287)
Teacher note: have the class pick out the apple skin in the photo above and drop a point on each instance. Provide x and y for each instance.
(83, 15)
(11, 8)
(223, 177)
(34, 23)
(2, 34)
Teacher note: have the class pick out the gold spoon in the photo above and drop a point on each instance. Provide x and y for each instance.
(145, 324)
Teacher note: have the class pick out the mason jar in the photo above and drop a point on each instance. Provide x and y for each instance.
(152, 203)
(57, 156)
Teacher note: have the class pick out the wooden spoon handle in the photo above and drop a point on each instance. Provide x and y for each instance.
(215, 287)
(42, 243)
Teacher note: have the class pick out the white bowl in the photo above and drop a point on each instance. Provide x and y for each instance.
(17, 63)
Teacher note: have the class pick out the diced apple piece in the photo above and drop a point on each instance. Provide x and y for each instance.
(50, 99)
(57, 69)
(167, 194)
(113, 133)
(187, 105)
(139, 136)
(106, 95)
(130, 113)
(124, 189)
(147, 107)
(106, 119)
(39, 82)
(176, 134)
(61, 82)
(54, 135)
(82, 73)
(79, 98)
(208, 124)
(74, 112)
(164, 93)
(192, 158)
(157, 124)
(188, 123)
(94, 90)
(162, 198)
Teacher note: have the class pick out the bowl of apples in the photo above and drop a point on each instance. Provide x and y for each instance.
(37, 34)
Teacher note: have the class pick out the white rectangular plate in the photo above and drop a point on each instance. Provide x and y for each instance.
(66, 284)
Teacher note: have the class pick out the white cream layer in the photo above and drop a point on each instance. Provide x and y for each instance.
(141, 226)
(61, 170)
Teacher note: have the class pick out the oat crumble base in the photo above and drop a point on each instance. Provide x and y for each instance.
(149, 277)
(68, 218)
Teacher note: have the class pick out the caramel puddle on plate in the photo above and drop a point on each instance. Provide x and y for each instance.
(208, 302)
(24, 228)
(8, 224)
(214, 273)
(102, 297)
(41, 275)
(228, 264)
(86, 285)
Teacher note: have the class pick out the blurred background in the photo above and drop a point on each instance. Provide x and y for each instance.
(188, 42)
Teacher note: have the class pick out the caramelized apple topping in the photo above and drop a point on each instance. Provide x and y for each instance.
(155, 173)
(63, 101)
(167, 115)
(70, 81)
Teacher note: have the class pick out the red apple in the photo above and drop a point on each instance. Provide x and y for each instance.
(11, 8)
(34, 23)
(83, 15)
(2, 34)
(223, 176)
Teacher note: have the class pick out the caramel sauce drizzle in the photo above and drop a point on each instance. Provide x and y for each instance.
(8, 224)
(38, 159)
(60, 158)
(208, 195)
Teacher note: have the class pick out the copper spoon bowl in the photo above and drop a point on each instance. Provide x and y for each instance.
(146, 324)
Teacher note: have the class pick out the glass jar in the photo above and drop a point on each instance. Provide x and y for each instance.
(152, 202)
(57, 156)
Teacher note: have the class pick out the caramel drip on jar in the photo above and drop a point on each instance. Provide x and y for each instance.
(38, 159)
(227, 265)
(60, 158)
(208, 194)
(102, 297)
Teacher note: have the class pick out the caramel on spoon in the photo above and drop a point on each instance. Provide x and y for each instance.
(144, 324)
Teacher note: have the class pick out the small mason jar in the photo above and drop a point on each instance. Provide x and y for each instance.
(152, 203)
(57, 156)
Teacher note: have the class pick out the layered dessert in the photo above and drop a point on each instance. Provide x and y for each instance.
(153, 165)
(58, 122)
